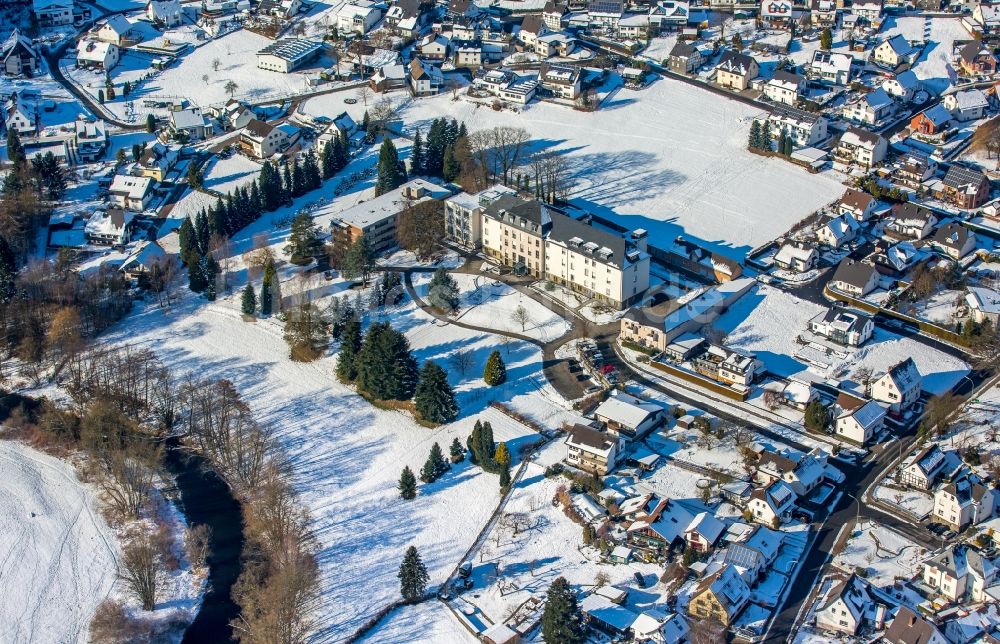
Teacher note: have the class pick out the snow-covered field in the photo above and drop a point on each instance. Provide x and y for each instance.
(491, 304)
(58, 557)
(918, 503)
(884, 552)
(670, 158)
(767, 321)
(221, 175)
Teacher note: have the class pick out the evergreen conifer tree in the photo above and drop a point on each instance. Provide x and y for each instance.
(249, 301)
(359, 261)
(434, 154)
(386, 367)
(417, 155)
(196, 275)
(150, 123)
(504, 476)
(303, 241)
(268, 290)
(407, 484)
(350, 344)
(434, 399)
(389, 176)
(452, 168)
(210, 271)
(456, 452)
(435, 465)
(328, 159)
(15, 151)
(495, 372)
(413, 575)
(754, 142)
(443, 291)
(310, 169)
(561, 619)
(201, 231)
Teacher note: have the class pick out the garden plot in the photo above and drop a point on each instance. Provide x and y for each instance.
(670, 158)
(767, 322)
(945, 307)
(494, 305)
(546, 545)
(428, 622)
(60, 557)
(226, 175)
(884, 553)
(917, 503)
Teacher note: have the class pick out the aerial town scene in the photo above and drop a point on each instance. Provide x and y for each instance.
(502, 321)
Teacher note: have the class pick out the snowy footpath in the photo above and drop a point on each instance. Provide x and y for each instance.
(55, 549)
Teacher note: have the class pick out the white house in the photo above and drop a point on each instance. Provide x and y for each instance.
(911, 221)
(893, 52)
(111, 228)
(844, 326)
(861, 147)
(984, 304)
(772, 504)
(857, 419)
(425, 79)
(262, 140)
(117, 29)
(830, 67)
(899, 387)
(53, 13)
(960, 572)
(854, 278)
(191, 123)
(844, 607)
(838, 231)
(130, 193)
(859, 205)
(591, 450)
(954, 240)
(801, 472)
(797, 258)
(629, 417)
(871, 109)
(358, 17)
(784, 87)
(804, 128)
(922, 471)
(18, 56)
(20, 112)
(93, 53)
(169, 13)
(902, 86)
(967, 105)
(964, 502)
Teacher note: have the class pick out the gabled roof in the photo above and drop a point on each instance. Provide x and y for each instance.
(900, 46)
(952, 235)
(857, 200)
(627, 410)
(706, 525)
(938, 115)
(16, 44)
(584, 436)
(855, 273)
(257, 129)
(683, 50)
(961, 177)
(904, 374)
(859, 136)
(736, 63)
(532, 24)
(854, 593)
(973, 49)
(913, 213)
(909, 628)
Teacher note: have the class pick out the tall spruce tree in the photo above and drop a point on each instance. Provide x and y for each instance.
(328, 159)
(452, 168)
(268, 289)
(8, 272)
(443, 291)
(434, 155)
(417, 155)
(210, 271)
(350, 344)
(456, 452)
(303, 241)
(412, 575)
(386, 367)
(504, 476)
(561, 619)
(389, 175)
(754, 142)
(359, 261)
(435, 465)
(248, 303)
(310, 169)
(495, 372)
(15, 151)
(342, 153)
(434, 399)
(201, 231)
(407, 484)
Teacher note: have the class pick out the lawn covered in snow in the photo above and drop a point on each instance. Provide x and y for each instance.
(884, 552)
(670, 158)
(487, 303)
(934, 66)
(59, 555)
(767, 321)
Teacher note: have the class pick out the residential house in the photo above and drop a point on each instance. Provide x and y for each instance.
(773, 504)
(963, 502)
(282, 9)
(801, 472)
(933, 121)
(735, 71)
(967, 104)
(844, 607)
(854, 278)
(191, 124)
(721, 596)
(605, 14)
(954, 240)
(113, 227)
(730, 366)
(89, 140)
(358, 17)
(893, 52)
(903, 86)
(634, 26)
(390, 77)
(532, 27)
(463, 10)
(872, 108)
(976, 59)
(703, 532)
(843, 326)
(406, 18)
(959, 573)
(657, 626)
(562, 81)
(857, 419)
(628, 417)
(984, 304)
(796, 258)
(777, 14)
(923, 470)
(858, 204)
(468, 56)
(116, 30)
(899, 387)
(500, 633)
(553, 15)
(684, 58)
(557, 44)
(156, 161)
(377, 218)
(897, 259)
(95, 54)
(912, 169)
(18, 56)
(288, 54)
(965, 187)
(591, 450)
(142, 259)
(868, 11)
(168, 13)
(20, 112)
(425, 79)
(603, 615)
(262, 140)
(829, 67)
(657, 526)
(784, 87)
(838, 231)
(130, 193)
(53, 13)
(668, 16)
(804, 128)
(341, 126)
(823, 13)
(911, 221)
(754, 551)
(433, 47)
(861, 147)
(909, 628)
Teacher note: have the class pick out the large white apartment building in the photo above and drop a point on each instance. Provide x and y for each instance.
(540, 240)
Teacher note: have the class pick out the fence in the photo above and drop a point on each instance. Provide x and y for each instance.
(924, 326)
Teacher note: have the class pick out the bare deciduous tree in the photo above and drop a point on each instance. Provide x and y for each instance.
(521, 316)
(364, 94)
(141, 569)
(129, 477)
(462, 361)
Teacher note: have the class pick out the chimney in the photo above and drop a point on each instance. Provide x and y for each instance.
(639, 238)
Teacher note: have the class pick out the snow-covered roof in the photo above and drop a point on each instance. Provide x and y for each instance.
(604, 610)
(93, 50)
(626, 409)
(983, 299)
(389, 204)
(707, 526)
(131, 187)
(970, 99)
(790, 252)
